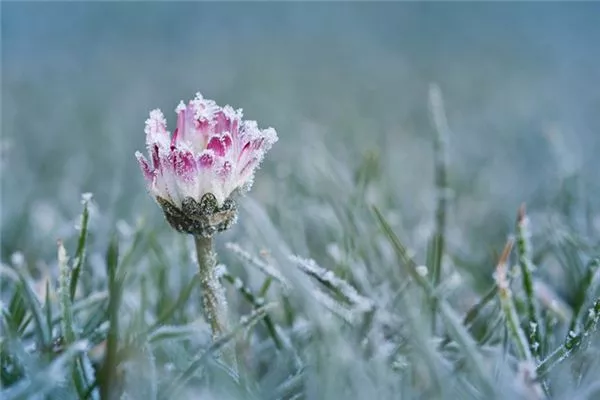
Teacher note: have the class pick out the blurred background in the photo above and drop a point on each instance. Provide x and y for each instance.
(343, 84)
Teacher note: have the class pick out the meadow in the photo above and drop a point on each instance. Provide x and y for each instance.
(426, 226)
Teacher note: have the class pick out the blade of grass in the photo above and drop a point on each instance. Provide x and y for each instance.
(328, 279)
(440, 122)
(247, 294)
(109, 367)
(42, 330)
(65, 298)
(47, 379)
(573, 342)
(80, 252)
(582, 291)
(508, 306)
(48, 306)
(246, 322)
(475, 310)
(264, 267)
(453, 324)
(67, 315)
(265, 286)
(524, 256)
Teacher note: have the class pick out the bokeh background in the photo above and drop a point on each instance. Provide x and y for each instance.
(341, 83)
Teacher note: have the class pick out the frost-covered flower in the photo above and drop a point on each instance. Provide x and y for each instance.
(211, 155)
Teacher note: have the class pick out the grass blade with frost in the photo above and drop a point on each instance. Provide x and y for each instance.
(80, 252)
(256, 302)
(573, 342)
(67, 314)
(524, 256)
(332, 282)
(246, 322)
(438, 116)
(47, 379)
(264, 267)
(453, 324)
(184, 295)
(582, 290)
(42, 330)
(476, 309)
(508, 306)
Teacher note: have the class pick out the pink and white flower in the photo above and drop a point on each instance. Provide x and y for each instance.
(211, 154)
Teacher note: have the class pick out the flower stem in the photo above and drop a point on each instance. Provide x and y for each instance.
(213, 294)
(213, 298)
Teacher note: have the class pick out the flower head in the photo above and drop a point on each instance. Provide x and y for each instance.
(211, 155)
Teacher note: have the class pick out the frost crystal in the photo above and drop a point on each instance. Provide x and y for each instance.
(220, 270)
(532, 327)
(17, 259)
(86, 197)
(238, 284)
(211, 155)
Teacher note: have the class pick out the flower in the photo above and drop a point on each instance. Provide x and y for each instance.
(211, 156)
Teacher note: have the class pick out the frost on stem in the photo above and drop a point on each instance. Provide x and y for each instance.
(213, 294)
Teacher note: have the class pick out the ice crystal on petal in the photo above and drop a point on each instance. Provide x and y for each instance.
(212, 152)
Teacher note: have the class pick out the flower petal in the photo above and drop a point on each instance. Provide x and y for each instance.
(184, 164)
(220, 144)
(145, 167)
(206, 159)
(156, 128)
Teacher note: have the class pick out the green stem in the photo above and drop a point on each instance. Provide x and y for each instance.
(213, 294)
(213, 298)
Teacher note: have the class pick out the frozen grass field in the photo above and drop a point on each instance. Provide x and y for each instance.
(383, 251)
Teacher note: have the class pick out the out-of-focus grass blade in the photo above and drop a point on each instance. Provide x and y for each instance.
(48, 305)
(455, 328)
(476, 309)
(109, 368)
(254, 301)
(290, 387)
(178, 332)
(582, 291)
(246, 322)
(265, 286)
(65, 299)
(508, 306)
(47, 379)
(440, 143)
(573, 342)
(42, 330)
(264, 267)
(184, 295)
(66, 309)
(80, 252)
(17, 312)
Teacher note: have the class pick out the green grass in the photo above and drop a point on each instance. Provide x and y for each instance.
(352, 324)
(363, 262)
